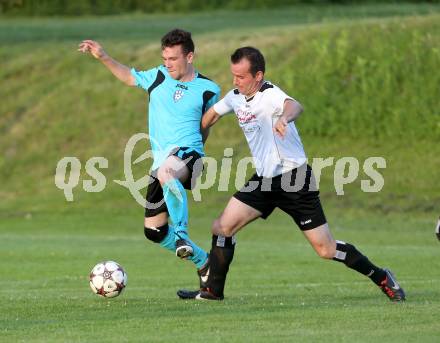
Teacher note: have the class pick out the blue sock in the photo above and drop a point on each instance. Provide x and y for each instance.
(169, 242)
(177, 204)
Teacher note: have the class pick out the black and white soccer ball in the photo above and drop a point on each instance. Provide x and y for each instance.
(108, 279)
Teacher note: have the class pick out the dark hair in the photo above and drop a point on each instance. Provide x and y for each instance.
(254, 56)
(178, 37)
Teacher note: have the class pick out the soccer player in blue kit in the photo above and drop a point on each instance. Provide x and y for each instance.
(178, 97)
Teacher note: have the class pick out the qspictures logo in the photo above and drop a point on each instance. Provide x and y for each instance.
(216, 173)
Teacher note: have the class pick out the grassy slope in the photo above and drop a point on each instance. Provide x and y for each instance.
(360, 101)
(144, 27)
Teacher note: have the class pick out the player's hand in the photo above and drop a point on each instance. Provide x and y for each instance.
(280, 127)
(94, 48)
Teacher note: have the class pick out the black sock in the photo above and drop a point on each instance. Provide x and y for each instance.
(352, 258)
(220, 257)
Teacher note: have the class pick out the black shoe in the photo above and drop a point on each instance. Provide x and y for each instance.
(203, 274)
(198, 295)
(183, 249)
(208, 295)
(186, 294)
(391, 288)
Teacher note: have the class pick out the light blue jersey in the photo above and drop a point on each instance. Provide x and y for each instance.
(175, 110)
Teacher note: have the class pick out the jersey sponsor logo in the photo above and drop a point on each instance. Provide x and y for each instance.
(178, 94)
(245, 117)
(251, 128)
(182, 86)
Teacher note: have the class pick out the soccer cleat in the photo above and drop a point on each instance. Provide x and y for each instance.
(186, 294)
(208, 295)
(183, 249)
(198, 295)
(203, 274)
(391, 288)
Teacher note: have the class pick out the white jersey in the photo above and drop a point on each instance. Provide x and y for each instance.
(257, 116)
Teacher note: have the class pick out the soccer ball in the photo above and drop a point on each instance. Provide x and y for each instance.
(108, 279)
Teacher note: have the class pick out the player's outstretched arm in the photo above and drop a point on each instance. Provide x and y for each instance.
(209, 118)
(119, 70)
(291, 111)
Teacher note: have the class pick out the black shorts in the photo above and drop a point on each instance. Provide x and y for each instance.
(155, 203)
(297, 196)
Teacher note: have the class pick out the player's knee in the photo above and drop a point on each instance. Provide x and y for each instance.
(222, 230)
(228, 231)
(215, 228)
(325, 251)
(156, 234)
(165, 174)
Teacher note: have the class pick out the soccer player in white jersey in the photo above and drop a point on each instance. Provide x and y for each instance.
(283, 179)
(178, 97)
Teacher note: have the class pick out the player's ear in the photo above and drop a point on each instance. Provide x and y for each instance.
(259, 76)
(190, 57)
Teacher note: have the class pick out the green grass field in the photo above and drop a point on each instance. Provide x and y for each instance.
(277, 289)
(367, 78)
